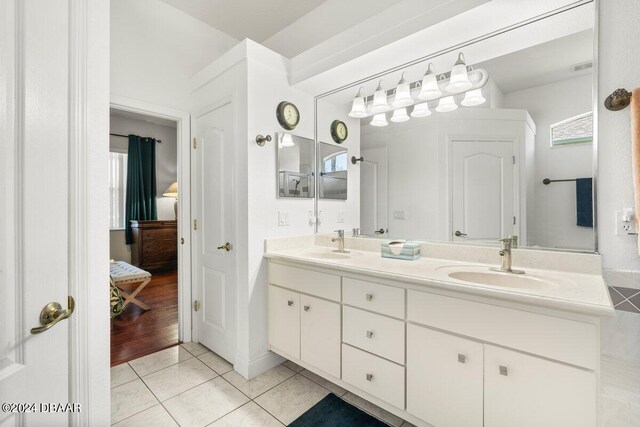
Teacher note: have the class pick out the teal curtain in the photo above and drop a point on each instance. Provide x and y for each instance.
(141, 182)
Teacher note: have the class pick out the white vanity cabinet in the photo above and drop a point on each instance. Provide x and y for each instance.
(444, 378)
(434, 357)
(304, 316)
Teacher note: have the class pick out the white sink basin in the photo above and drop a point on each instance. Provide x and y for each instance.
(328, 255)
(505, 280)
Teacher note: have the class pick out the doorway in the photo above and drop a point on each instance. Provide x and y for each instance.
(151, 297)
(483, 190)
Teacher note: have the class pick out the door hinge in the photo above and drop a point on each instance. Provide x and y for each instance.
(514, 160)
(195, 224)
(182, 240)
(196, 305)
(514, 220)
(194, 143)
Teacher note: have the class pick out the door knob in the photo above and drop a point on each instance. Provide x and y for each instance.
(459, 234)
(381, 231)
(53, 313)
(227, 247)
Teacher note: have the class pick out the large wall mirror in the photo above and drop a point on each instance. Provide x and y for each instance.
(495, 142)
(295, 166)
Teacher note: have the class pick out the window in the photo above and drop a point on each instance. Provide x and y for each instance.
(117, 189)
(336, 162)
(575, 130)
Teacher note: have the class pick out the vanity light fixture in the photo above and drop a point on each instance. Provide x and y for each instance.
(421, 110)
(446, 105)
(429, 88)
(379, 120)
(403, 94)
(473, 98)
(459, 80)
(359, 106)
(286, 141)
(400, 115)
(380, 104)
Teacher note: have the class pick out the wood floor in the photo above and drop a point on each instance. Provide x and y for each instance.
(136, 332)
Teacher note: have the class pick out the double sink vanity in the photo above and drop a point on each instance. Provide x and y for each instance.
(444, 340)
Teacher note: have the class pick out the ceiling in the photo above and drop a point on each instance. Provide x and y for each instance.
(257, 20)
(541, 64)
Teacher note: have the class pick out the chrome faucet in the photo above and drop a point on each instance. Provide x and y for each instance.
(340, 240)
(505, 252)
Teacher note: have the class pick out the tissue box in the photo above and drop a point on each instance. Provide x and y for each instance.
(399, 249)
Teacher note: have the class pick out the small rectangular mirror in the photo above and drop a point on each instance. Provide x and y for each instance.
(332, 164)
(295, 166)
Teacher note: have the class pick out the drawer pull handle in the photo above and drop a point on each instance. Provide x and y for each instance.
(306, 308)
(369, 334)
(369, 377)
(503, 370)
(290, 302)
(462, 358)
(369, 297)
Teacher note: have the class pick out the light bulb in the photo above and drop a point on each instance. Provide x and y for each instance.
(379, 120)
(429, 89)
(403, 94)
(287, 140)
(380, 103)
(421, 110)
(473, 98)
(446, 104)
(400, 115)
(358, 108)
(459, 80)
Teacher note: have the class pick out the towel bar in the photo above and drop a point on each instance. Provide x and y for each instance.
(618, 100)
(548, 181)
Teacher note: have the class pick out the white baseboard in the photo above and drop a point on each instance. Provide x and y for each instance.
(256, 366)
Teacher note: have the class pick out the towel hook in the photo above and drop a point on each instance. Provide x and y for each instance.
(355, 159)
(618, 100)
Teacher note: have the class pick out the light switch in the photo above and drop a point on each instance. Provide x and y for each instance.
(340, 217)
(399, 215)
(283, 219)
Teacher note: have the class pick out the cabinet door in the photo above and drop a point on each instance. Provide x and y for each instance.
(527, 391)
(320, 334)
(284, 320)
(444, 378)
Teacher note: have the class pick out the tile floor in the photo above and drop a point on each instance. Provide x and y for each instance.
(189, 385)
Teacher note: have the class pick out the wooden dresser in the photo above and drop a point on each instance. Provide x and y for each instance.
(155, 245)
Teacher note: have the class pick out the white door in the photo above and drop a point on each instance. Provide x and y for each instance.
(444, 378)
(34, 209)
(373, 192)
(482, 190)
(527, 391)
(214, 259)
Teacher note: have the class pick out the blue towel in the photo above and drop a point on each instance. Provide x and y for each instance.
(584, 202)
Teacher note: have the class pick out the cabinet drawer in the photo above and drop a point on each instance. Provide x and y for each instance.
(160, 233)
(376, 376)
(373, 296)
(160, 245)
(374, 333)
(560, 339)
(310, 282)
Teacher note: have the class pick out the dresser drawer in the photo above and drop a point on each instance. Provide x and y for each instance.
(374, 333)
(373, 296)
(160, 245)
(310, 282)
(565, 340)
(160, 233)
(376, 376)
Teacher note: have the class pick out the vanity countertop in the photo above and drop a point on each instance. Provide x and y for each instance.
(584, 293)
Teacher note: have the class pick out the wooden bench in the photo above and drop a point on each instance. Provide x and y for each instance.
(122, 273)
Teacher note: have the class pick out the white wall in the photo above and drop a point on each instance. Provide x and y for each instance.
(619, 67)
(552, 222)
(166, 170)
(156, 49)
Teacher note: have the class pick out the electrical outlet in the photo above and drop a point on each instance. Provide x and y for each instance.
(283, 219)
(625, 228)
(340, 217)
(399, 215)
